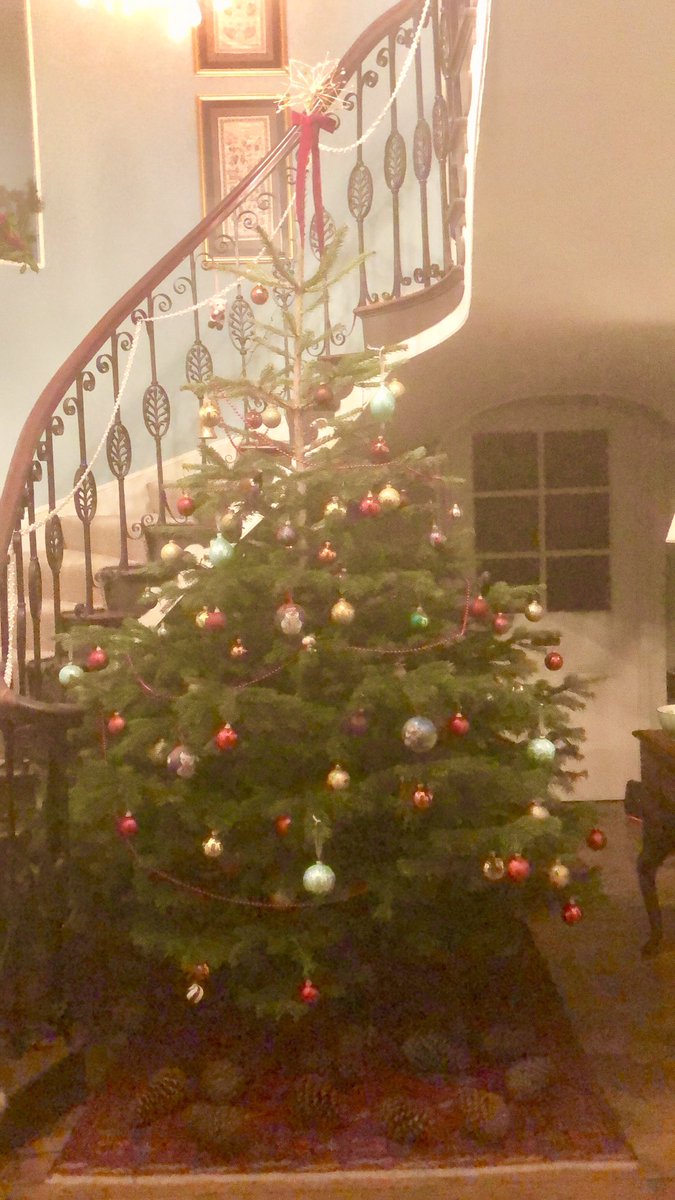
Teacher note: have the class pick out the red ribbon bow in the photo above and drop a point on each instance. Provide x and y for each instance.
(310, 125)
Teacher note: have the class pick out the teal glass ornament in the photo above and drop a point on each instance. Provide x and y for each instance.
(220, 550)
(419, 734)
(419, 619)
(70, 674)
(319, 879)
(383, 402)
(541, 750)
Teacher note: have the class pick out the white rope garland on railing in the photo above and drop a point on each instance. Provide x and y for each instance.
(407, 64)
(12, 605)
(26, 530)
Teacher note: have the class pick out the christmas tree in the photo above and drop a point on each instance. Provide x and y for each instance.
(326, 756)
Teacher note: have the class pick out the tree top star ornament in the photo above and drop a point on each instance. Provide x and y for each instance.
(310, 86)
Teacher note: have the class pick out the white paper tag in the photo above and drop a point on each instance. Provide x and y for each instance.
(154, 616)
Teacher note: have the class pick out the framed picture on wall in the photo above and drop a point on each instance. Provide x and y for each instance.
(242, 35)
(234, 135)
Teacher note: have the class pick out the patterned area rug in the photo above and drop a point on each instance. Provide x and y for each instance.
(507, 1010)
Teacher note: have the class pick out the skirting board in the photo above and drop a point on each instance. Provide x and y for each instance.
(600, 1180)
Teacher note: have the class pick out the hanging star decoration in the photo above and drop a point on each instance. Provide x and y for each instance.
(310, 86)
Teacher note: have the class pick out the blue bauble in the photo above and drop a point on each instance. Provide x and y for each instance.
(70, 674)
(541, 750)
(220, 550)
(383, 402)
(419, 734)
(319, 879)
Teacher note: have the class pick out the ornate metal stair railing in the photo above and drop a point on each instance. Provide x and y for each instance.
(412, 219)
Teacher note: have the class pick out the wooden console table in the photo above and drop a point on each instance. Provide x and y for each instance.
(657, 795)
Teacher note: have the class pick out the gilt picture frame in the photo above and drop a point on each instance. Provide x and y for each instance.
(244, 35)
(235, 133)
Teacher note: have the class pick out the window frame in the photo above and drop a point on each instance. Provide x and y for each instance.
(540, 552)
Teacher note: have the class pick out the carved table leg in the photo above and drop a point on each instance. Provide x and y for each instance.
(657, 843)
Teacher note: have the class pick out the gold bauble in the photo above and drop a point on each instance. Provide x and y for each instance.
(396, 388)
(208, 413)
(389, 497)
(335, 508)
(171, 552)
(271, 416)
(538, 810)
(494, 868)
(534, 611)
(559, 874)
(201, 618)
(157, 753)
(342, 612)
(338, 779)
(212, 846)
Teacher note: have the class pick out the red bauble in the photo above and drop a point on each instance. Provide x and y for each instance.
(596, 839)
(308, 993)
(357, 723)
(127, 826)
(185, 505)
(200, 972)
(571, 913)
(282, 824)
(459, 725)
(518, 868)
(324, 397)
(379, 450)
(253, 420)
(479, 608)
(250, 489)
(259, 294)
(116, 724)
(553, 660)
(369, 506)
(422, 796)
(327, 554)
(215, 620)
(501, 622)
(97, 659)
(226, 738)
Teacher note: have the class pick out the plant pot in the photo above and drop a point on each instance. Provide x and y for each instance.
(123, 588)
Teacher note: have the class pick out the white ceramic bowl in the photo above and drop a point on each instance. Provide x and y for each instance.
(667, 718)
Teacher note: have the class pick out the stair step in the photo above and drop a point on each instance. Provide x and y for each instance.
(40, 1086)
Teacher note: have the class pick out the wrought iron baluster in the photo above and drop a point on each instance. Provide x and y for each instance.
(85, 497)
(198, 361)
(441, 136)
(34, 580)
(360, 184)
(53, 529)
(241, 328)
(20, 640)
(395, 163)
(156, 412)
(329, 235)
(118, 442)
(422, 167)
(283, 296)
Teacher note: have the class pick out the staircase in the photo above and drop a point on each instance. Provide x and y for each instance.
(397, 176)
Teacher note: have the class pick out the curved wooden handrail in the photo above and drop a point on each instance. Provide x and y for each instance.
(11, 500)
(54, 392)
